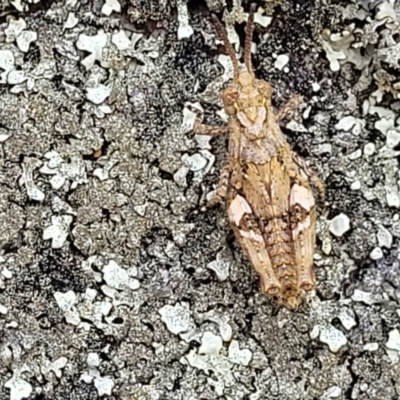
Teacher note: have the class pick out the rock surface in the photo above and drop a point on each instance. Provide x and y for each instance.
(114, 281)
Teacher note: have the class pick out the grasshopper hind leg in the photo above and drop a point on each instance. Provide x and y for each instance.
(222, 188)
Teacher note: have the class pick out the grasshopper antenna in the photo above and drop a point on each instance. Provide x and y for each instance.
(228, 46)
(249, 38)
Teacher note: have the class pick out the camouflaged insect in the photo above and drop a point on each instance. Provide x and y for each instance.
(268, 197)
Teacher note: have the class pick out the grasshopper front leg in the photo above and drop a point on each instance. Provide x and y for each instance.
(291, 105)
(202, 129)
(314, 179)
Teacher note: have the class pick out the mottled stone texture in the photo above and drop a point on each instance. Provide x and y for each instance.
(114, 280)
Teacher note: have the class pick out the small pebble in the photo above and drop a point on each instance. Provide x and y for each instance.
(316, 87)
(93, 360)
(392, 196)
(196, 162)
(371, 347)
(221, 267)
(356, 185)
(393, 342)
(392, 138)
(332, 393)
(376, 253)
(356, 154)
(369, 149)
(365, 107)
(281, 61)
(346, 123)
(385, 238)
(339, 225)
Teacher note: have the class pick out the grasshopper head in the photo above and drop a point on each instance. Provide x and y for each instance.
(246, 95)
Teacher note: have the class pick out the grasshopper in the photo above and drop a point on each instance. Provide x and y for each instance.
(265, 184)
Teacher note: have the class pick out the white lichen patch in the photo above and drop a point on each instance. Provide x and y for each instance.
(73, 171)
(93, 360)
(334, 53)
(220, 266)
(261, 19)
(334, 338)
(189, 116)
(367, 297)
(58, 231)
(225, 329)
(56, 366)
(323, 313)
(118, 277)
(94, 45)
(19, 388)
(369, 149)
(25, 39)
(296, 126)
(121, 40)
(98, 94)
(196, 162)
(71, 21)
(184, 28)
(109, 6)
(7, 63)
(350, 123)
(347, 319)
(66, 302)
(219, 365)
(199, 163)
(176, 318)
(28, 167)
(104, 385)
(355, 155)
(94, 311)
(14, 28)
(15, 31)
(209, 357)
(238, 356)
(210, 344)
(333, 392)
(371, 347)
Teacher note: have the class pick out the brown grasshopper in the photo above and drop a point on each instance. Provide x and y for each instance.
(268, 197)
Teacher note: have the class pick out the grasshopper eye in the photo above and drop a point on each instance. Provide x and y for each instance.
(229, 98)
(264, 89)
(230, 95)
